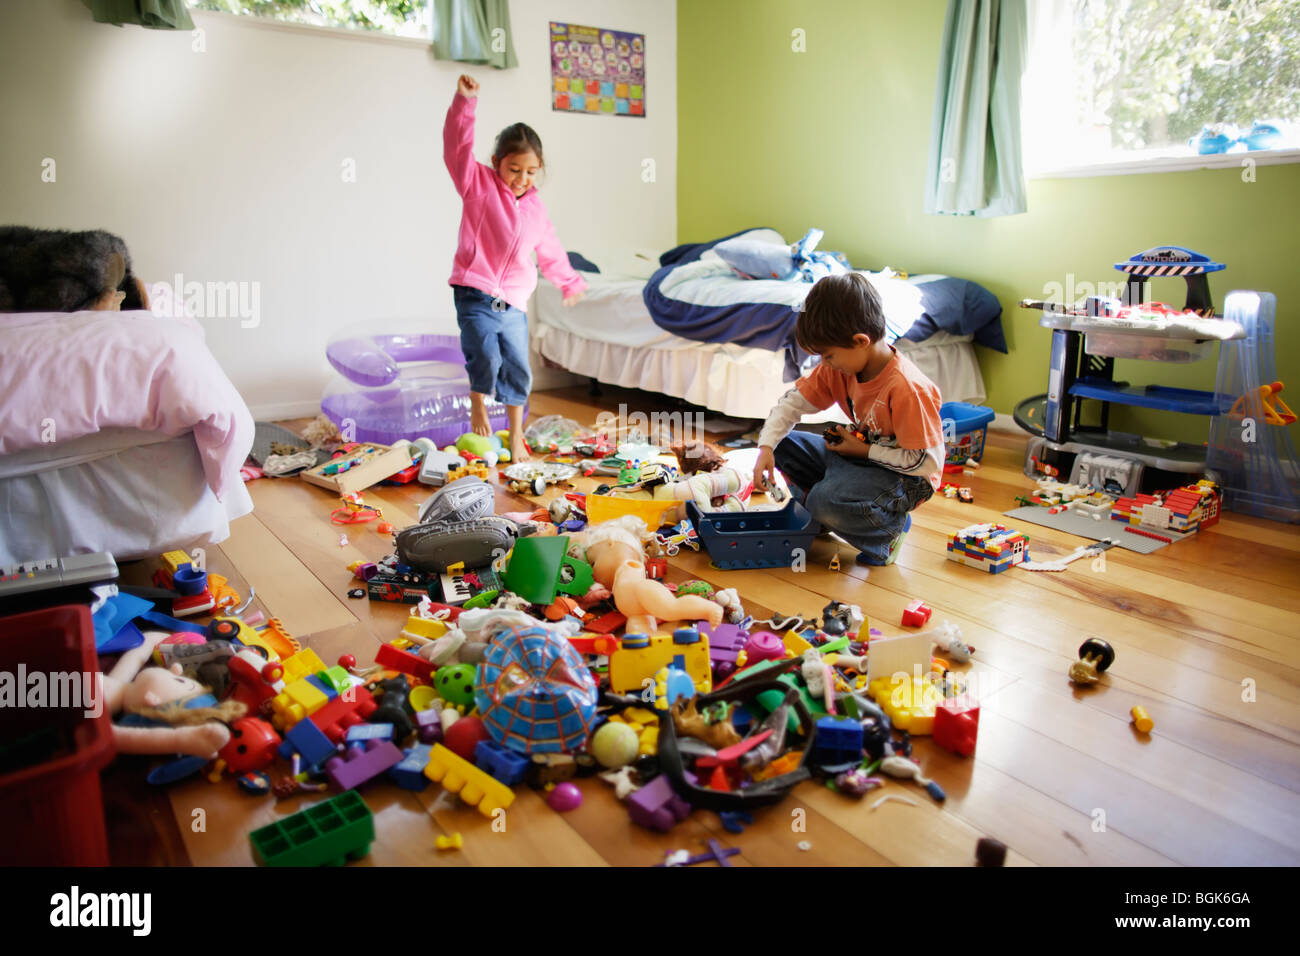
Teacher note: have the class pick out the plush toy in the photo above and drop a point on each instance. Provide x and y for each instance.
(617, 560)
(52, 270)
(165, 712)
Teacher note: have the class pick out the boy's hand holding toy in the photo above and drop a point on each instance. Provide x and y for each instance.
(847, 441)
(467, 85)
(764, 467)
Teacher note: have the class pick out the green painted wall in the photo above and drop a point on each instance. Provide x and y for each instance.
(838, 136)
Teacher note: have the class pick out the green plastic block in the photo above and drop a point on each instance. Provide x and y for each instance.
(336, 677)
(327, 834)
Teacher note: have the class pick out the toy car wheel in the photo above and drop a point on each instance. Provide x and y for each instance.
(1098, 648)
(601, 490)
(539, 485)
(223, 630)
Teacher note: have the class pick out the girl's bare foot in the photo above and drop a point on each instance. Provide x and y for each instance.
(479, 422)
(518, 450)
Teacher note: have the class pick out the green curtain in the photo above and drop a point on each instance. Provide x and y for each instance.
(975, 164)
(155, 14)
(463, 31)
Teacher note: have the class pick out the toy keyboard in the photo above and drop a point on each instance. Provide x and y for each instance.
(46, 581)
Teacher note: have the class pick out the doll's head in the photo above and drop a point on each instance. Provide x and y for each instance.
(160, 693)
(695, 456)
(517, 157)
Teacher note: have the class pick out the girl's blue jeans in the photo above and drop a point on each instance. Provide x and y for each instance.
(494, 338)
(864, 503)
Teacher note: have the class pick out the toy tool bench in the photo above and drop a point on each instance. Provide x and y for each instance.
(1086, 340)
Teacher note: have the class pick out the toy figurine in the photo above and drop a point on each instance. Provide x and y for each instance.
(1095, 656)
(165, 713)
(617, 559)
(690, 723)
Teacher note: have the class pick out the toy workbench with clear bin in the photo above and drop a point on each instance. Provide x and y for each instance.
(1085, 343)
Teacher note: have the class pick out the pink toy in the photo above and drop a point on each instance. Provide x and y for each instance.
(360, 765)
(564, 797)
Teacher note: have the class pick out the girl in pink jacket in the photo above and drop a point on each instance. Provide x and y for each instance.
(502, 225)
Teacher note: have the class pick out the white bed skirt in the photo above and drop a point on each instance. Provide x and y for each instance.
(740, 382)
(126, 492)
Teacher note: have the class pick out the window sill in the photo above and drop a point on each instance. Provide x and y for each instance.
(1171, 164)
(202, 17)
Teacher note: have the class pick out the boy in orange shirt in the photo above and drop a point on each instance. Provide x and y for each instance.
(863, 485)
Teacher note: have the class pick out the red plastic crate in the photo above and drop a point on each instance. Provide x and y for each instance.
(52, 811)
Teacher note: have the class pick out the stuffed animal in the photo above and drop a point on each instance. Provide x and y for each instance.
(53, 270)
(164, 712)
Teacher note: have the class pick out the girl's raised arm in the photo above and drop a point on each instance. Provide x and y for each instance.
(458, 135)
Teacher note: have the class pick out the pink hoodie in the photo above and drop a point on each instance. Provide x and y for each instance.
(498, 233)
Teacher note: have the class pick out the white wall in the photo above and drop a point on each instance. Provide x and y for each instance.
(226, 165)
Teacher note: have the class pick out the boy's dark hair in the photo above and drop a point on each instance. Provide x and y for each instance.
(518, 138)
(837, 308)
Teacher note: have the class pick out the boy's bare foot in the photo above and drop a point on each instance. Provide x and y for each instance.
(479, 422)
(518, 450)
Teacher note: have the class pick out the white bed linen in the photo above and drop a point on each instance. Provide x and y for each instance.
(125, 491)
(609, 336)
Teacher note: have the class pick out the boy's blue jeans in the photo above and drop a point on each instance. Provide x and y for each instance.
(862, 502)
(495, 343)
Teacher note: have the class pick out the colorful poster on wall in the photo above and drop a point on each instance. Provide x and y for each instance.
(597, 71)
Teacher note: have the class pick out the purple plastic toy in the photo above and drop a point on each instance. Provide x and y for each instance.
(564, 797)
(387, 401)
(358, 765)
(764, 646)
(657, 806)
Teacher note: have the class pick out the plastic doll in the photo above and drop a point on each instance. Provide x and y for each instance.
(617, 560)
(165, 713)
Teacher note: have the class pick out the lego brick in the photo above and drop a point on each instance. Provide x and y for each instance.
(351, 707)
(409, 774)
(838, 741)
(394, 659)
(306, 739)
(428, 724)
(301, 664)
(329, 833)
(910, 704)
(336, 678)
(501, 762)
(657, 806)
(956, 725)
(359, 765)
(916, 614)
(473, 785)
(360, 733)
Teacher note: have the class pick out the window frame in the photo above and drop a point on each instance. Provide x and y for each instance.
(311, 29)
(1135, 162)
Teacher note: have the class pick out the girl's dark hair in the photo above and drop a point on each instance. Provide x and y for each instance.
(837, 308)
(518, 138)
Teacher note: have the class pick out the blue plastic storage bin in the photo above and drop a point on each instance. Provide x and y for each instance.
(737, 540)
(969, 428)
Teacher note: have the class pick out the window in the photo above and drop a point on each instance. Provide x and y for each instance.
(404, 18)
(1132, 84)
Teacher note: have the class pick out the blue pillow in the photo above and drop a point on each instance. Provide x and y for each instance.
(756, 259)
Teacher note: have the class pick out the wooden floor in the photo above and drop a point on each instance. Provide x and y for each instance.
(1206, 634)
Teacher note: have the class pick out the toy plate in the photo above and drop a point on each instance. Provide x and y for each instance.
(547, 470)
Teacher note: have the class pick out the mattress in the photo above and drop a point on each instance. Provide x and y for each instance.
(128, 492)
(609, 336)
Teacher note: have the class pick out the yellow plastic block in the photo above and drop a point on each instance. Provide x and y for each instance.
(909, 704)
(649, 740)
(401, 643)
(795, 644)
(174, 559)
(303, 664)
(296, 702)
(423, 627)
(474, 786)
(639, 715)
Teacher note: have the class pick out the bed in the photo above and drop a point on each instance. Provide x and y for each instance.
(119, 432)
(611, 335)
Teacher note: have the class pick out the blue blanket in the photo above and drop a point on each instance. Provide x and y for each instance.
(706, 302)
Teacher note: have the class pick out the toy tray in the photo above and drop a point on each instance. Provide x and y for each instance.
(754, 539)
(653, 513)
